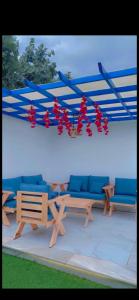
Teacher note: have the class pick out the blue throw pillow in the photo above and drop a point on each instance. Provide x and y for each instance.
(96, 183)
(125, 186)
(35, 179)
(83, 178)
(75, 184)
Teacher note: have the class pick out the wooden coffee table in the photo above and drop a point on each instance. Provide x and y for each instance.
(74, 203)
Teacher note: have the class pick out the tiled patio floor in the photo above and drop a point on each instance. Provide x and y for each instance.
(106, 246)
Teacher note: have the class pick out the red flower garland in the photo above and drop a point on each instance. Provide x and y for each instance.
(105, 126)
(46, 119)
(65, 121)
(83, 108)
(79, 125)
(56, 109)
(98, 118)
(88, 129)
(32, 116)
(82, 115)
(57, 112)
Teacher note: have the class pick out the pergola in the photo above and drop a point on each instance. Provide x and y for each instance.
(114, 92)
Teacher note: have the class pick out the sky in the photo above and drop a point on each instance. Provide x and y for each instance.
(80, 54)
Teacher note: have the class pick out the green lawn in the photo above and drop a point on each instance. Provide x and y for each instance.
(22, 273)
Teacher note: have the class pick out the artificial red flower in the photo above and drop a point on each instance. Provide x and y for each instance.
(105, 126)
(88, 129)
(32, 116)
(98, 117)
(46, 119)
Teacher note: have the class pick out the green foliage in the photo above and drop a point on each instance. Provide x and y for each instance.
(34, 64)
(10, 61)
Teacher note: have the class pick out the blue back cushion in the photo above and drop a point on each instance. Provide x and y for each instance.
(125, 186)
(96, 183)
(75, 183)
(13, 183)
(35, 179)
(38, 188)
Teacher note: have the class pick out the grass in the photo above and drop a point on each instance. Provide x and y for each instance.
(21, 273)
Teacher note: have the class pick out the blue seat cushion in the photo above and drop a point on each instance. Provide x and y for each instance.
(42, 182)
(96, 183)
(38, 188)
(85, 195)
(12, 183)
(35, 179)
(10, 203)
(125, 199)
(125, 186)
(75, 183)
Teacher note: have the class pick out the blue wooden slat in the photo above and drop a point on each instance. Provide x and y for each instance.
(112, 86)
(45, 93)
(78, 91)
(86, 79)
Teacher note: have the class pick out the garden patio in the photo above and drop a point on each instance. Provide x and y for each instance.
(95, 138)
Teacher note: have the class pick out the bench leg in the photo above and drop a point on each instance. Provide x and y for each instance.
(19, 230)
(106, 207)
(111, 210)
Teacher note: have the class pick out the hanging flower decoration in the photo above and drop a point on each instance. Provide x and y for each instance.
(56, 110)
(65, 121)
(61, 116)
(60, 126)
(83, 108)
(79, 125)
(32, 116)
(82, 115)
(88, 129)
(105, 126)
(46, 119)
(69, 127)
(98, 118)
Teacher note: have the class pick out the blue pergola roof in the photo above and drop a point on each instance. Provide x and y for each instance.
(115, 92)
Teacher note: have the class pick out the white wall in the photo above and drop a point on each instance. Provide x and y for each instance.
(29, 151)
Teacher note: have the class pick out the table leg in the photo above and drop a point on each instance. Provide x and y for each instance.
(89, 216)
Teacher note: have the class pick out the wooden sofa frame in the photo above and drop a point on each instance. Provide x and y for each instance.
(109, 189)
(106, 189)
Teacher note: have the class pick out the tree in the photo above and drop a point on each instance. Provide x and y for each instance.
(34, 64)
(10, 62)
(68, 75)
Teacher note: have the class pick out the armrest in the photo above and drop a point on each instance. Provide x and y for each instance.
(7, 192)
(109, 190)
(61, 185)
